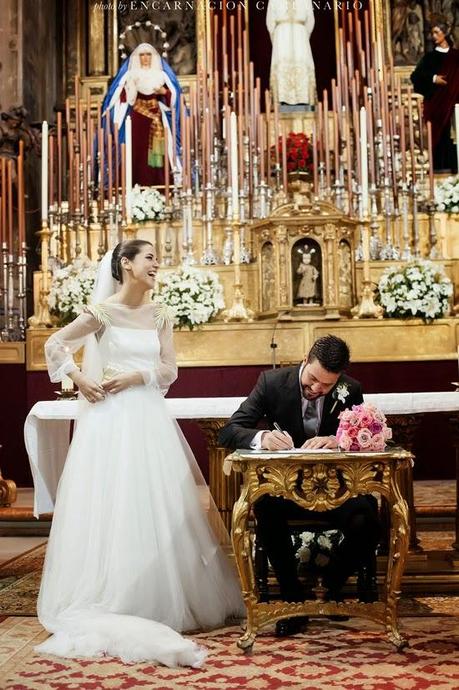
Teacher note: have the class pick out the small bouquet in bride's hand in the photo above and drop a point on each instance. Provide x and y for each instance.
(363, 427)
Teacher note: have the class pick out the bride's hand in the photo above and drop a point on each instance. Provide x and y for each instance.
(92, 391)
(122, 381)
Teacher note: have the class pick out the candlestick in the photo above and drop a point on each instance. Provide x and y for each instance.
(364, 160)
(44, 171)
(315, 167)
(403, 142)
(67, 384)
(59, 159)
(284, 159)
(128, 168)
(123, 181)
(51, 170)
(431, 170)
(166, 165)
(456, 122)
(21, 198)
(234, 165)
(10, 206)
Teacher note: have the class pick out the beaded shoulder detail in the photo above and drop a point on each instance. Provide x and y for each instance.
(164, 315)
(100, 312)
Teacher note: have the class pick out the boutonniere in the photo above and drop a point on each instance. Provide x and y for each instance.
(340, 393)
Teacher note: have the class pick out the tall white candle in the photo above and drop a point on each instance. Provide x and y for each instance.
(364, 159)
(128, 168)
(67, 384)
(234, 165)
(44, 171)
(456, 124)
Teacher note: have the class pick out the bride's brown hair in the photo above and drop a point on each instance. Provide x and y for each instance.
(127, 249)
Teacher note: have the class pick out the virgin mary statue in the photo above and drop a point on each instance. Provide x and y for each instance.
(147, 89)
(290, 24)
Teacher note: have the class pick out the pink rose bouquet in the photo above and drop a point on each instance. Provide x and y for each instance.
(364, 427)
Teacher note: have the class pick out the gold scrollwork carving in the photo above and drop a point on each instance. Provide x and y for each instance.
(319, 483)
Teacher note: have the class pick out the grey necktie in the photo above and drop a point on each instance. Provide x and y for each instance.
(311, 419)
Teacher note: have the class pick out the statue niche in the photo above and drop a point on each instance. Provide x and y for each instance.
(307, 274)
(268, 281)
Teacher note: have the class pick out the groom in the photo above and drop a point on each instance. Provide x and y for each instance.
(304, 402)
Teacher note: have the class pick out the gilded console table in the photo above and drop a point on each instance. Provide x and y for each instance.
(320, 481)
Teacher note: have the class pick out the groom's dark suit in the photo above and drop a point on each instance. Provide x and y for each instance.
(277, 398)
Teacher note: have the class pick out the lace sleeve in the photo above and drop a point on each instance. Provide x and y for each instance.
(164, 372)
(60, 347)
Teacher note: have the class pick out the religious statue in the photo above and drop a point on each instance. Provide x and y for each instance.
(15, 128)
(307, 289)
(290, 24)
(436, 77)
(147, 89)
(407, 31)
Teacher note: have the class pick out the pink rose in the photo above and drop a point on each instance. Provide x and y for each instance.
(353, 431)
(344, 441)
(376, 427)
(387, 432)
(364, 438)
(355, 446)
(378, 442)
(365, 420)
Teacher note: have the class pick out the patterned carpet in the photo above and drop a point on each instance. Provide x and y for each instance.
(311, 661)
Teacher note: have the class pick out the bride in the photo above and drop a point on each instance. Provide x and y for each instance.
(132, 559)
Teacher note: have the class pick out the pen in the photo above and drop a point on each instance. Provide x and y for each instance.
(277, 427)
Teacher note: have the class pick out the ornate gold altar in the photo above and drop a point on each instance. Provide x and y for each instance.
(321, 481)
(301, 237)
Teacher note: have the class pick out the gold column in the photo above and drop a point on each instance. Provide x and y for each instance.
(97, 19)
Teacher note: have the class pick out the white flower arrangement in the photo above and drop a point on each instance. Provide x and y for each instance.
(194, 294)
(71, 287)
(447, 195)
(147, 204)
(420, 288)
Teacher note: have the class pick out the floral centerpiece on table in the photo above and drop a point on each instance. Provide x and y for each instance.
(299, 152)
(195, 295)
(147, 204)
(419, 288)
(363, 427)
(71, 287)
(447, 195)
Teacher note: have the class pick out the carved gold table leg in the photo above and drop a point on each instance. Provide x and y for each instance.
(240, 535)
(398, 550)
(224, 489)
(404, 427)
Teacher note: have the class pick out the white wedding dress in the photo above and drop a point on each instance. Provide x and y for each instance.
(132, 559)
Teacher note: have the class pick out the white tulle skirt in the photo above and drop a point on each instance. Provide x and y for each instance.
(132, 559)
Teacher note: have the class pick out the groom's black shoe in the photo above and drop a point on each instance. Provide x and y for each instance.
(291, 626)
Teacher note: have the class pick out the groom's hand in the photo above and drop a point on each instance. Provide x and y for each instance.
(276, 440)
(320, 442)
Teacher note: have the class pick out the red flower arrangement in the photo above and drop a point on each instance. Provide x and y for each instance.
(299, 152)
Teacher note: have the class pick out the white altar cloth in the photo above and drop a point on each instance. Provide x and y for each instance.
(47, 428)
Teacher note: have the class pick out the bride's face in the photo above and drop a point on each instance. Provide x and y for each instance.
(143, 267)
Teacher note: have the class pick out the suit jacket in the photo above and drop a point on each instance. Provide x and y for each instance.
(277, 398)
